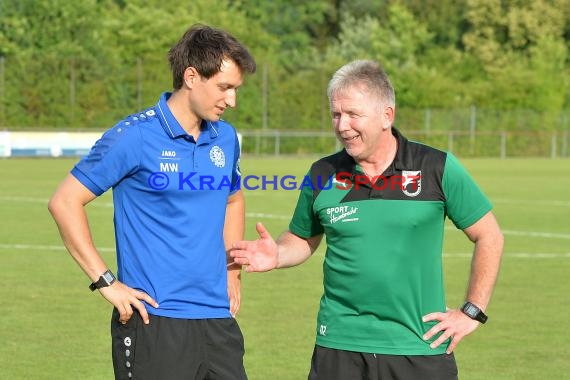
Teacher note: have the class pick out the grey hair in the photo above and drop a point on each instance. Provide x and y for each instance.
(363, 72)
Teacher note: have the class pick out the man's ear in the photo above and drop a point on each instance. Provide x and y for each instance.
(388, 117)
(190, 76)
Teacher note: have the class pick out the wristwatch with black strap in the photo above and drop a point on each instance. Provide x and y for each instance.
(105, 280)
(473, 312)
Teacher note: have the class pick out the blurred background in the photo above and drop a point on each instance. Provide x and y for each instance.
(478, 77)
(485, 79)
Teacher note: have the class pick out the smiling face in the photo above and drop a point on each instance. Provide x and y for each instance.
(210, 97)
(359, 119)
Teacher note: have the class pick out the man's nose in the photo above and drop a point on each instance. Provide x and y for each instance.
(342, 123)
(231, 97)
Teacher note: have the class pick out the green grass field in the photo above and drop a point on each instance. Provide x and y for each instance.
(53, 327)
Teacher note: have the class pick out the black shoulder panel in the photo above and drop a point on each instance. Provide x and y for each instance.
(328, 166)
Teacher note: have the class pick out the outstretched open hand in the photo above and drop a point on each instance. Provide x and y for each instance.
(259, 255)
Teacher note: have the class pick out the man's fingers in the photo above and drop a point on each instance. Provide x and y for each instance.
(239, 248)
(142, 311)
(140, 295)
(238, 252)
(125, 313)
(436, 328)
(433, 317)
(234, 306)
(452, 345)
(233, 266)
(250, 268)
(242, 248)
(125, 299)
(148, 299)
(431, 332)
(442, 338)
(262, 231)
(241, 257)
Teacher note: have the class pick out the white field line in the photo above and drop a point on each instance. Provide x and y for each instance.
(546, 235)
(9, 198)
(36, 247)
(518, 255)
(534, 234)
(262, 215)
(553, 203)
(44, 201)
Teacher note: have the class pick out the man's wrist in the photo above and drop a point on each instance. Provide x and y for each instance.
(474, 312)
(107, 278)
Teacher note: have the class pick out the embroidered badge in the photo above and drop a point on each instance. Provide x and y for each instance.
(217, 156)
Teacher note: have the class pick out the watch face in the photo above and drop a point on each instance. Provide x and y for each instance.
(474, 312)
(109, 278)
(471, 310)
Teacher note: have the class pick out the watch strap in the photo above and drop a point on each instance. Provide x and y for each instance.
(106, 279)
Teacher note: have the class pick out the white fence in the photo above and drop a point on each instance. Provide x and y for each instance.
(502, 144)
(46, 144)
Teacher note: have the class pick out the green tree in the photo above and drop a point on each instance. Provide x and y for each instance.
(89, 63)
(45, 42)
(444, 18)
(521, 48)
(398, 44)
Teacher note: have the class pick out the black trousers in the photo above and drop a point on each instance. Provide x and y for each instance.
(331, 364)
(177, 349)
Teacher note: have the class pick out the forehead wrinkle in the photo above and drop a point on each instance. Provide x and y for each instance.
(349, 103)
